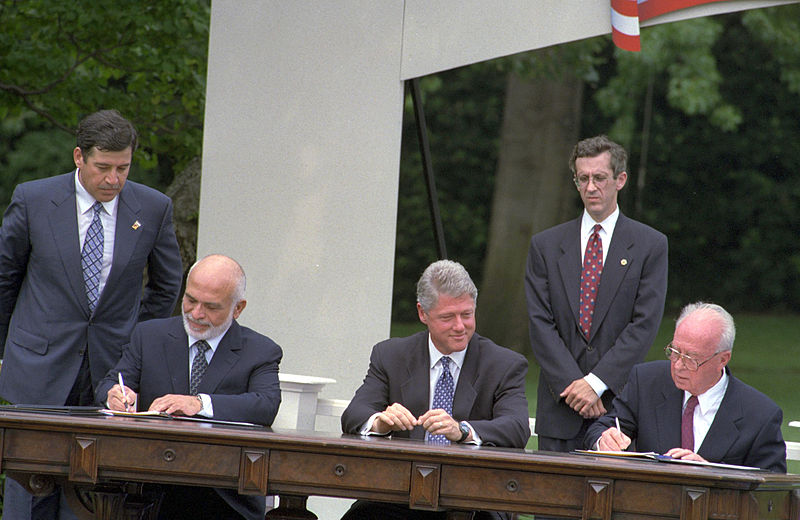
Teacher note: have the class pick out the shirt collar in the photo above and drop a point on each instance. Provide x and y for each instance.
(86, 201)
(587, 223)
(435, 355)
(213, 342)
(711, 398)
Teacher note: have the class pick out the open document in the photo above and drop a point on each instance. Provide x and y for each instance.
(651, 455)
(165, 415)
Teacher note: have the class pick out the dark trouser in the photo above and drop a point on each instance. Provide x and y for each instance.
(565, 445)
(195, 503)
(363, 510)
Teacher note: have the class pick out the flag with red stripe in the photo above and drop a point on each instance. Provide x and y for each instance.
(626, 15)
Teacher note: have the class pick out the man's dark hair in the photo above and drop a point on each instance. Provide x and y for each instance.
(594, 146)
(107, 131)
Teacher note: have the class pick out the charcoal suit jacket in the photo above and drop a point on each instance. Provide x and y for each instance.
(627, 314)
(241, 379)
(490, 393)
(746, 430)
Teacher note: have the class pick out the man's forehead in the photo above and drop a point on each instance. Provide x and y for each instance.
(446, 302)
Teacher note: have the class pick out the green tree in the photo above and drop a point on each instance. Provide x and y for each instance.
(64, 60)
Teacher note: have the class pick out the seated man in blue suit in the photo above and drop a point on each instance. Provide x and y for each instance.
(691, 407)
(444, 385)
(202, 363)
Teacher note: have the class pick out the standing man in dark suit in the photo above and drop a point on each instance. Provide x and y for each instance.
(445, 385)
(691, 407)
(595, 288)
(73, 250)
(205, 364)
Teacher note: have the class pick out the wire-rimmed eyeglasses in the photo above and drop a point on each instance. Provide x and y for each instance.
(688, 361)
(599, 180)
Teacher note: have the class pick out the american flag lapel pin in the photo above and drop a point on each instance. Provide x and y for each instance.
(136, 225)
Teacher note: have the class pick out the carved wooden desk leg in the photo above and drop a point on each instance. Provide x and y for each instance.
(124, 501)
(291, 507)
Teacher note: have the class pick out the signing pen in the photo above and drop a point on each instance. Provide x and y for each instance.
(125, 397)
(615, 418)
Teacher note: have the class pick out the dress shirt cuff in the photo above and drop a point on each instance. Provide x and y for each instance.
(365, 430)
(208, 409)
(476, 439)
(596, 383)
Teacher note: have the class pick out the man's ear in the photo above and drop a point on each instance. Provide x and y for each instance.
(238, 308)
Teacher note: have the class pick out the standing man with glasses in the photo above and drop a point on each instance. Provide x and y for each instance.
(595, 288)
(691, 407)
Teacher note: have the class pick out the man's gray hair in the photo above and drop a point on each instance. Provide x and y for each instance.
(241, 280)
(725, 320)
(444, 277)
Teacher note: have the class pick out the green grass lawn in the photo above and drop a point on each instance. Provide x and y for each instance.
(766, 355)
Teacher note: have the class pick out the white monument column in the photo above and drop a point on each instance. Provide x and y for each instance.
(300, 173)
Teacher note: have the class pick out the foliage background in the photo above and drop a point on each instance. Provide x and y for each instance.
(724, 142)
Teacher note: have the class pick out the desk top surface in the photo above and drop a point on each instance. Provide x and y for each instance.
(387, 448)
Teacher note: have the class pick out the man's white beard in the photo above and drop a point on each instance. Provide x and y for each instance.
(210, 332)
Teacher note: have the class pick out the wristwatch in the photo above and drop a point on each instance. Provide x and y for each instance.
(464, 431)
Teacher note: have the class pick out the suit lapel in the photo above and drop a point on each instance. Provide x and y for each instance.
(126, 235)
(415, 391)
(465, 395)
(618, 260)
(225, 356)
(723, 431)
(569, 266)
(668, 418)
(176, 353)
(64, 225)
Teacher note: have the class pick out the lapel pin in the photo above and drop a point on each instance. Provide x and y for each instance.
(623, 262)
(136, 225)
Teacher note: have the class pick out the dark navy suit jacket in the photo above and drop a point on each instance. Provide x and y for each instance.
(242, 379)
(746, 429)
(628, 311)
(45, 324)
(490, 393)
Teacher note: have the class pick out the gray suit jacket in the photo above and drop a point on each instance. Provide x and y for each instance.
(490, 393)
(242, 379)
(746, 430)
(628, 311)
(45, 325)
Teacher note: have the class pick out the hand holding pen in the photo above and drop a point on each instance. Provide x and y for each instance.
(613, 439)
(128, 397)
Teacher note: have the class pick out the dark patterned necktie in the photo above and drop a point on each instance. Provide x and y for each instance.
(92, 257)
(590, 279)
(199, 366)
(443, 397)
(687, 424)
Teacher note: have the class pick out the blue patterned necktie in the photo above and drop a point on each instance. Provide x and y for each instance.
(92, 257)
(199, 365)
(443, 397)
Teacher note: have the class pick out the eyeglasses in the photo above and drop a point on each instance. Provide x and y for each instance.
(600, 180)
(688, 361)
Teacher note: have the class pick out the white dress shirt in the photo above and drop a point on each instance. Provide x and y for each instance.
(706, 409)
(108, 217)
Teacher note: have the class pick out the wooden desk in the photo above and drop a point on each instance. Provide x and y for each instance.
(86, 453)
